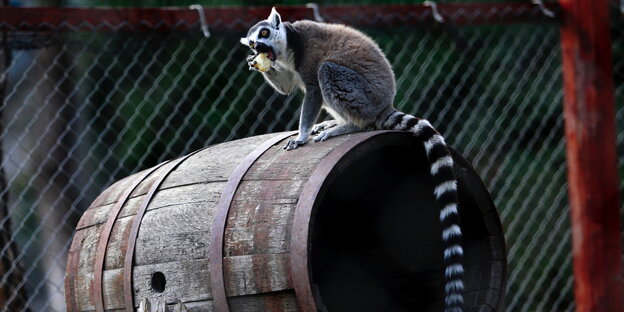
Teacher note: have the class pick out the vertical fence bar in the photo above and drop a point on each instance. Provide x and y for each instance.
(589, 113)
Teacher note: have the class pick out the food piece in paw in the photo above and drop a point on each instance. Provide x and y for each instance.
(263, 63)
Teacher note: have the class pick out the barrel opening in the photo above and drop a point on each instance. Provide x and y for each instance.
(158, 282)
(375, 243)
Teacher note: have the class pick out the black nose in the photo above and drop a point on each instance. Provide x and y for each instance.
(262, 48)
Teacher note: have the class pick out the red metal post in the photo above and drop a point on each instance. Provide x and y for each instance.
(592, 169)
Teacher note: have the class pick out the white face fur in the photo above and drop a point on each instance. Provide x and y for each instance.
(270, 32)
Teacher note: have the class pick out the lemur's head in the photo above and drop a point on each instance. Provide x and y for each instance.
(268, 36)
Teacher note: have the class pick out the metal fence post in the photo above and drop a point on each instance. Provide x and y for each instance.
(589, 113)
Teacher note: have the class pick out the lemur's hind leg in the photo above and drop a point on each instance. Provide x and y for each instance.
(344, 92)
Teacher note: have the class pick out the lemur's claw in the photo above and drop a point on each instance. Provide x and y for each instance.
(293, 144)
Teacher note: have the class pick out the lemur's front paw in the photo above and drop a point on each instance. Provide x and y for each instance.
(250, 57)
(251, 62)
(292, 144)
(319, 127)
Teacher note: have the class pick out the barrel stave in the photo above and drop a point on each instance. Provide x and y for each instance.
(255, 274)
(174, 233)
(83, 282)
(186, 280)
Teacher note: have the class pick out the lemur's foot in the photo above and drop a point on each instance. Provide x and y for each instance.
(324, 135)
(340, 129)
(319, 127)
(292, 144)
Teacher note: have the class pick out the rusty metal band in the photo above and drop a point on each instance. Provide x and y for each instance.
(73, 259)
(215, 263)
(299, 257)
(134, 231)
(100, 254)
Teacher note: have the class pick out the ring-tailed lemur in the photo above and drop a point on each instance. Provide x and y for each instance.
(345, 72)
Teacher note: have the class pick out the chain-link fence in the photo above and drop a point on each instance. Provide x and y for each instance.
(82, 109)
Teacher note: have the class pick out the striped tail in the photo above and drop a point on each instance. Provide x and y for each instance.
(445, 193)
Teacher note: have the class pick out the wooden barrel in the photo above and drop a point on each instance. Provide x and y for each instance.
(349, 224)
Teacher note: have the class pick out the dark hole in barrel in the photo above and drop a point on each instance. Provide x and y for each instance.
(158, 282)
(376, 242)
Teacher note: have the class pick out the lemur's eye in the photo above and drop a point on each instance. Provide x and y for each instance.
(264, 33)
(252, 44)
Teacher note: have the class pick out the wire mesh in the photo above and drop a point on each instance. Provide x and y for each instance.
(84, 109)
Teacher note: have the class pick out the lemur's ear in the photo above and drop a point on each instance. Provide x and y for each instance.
(244, 41)
(275, 19)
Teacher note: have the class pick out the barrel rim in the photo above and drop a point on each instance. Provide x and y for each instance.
(299, 240)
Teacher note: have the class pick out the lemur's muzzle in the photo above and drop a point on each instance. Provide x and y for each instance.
(265, 48)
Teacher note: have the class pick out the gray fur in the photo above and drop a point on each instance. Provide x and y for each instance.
(355, 79)
(309, 112)
(347, 93)
(282, 81)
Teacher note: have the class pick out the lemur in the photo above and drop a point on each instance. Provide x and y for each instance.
(345, 72)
